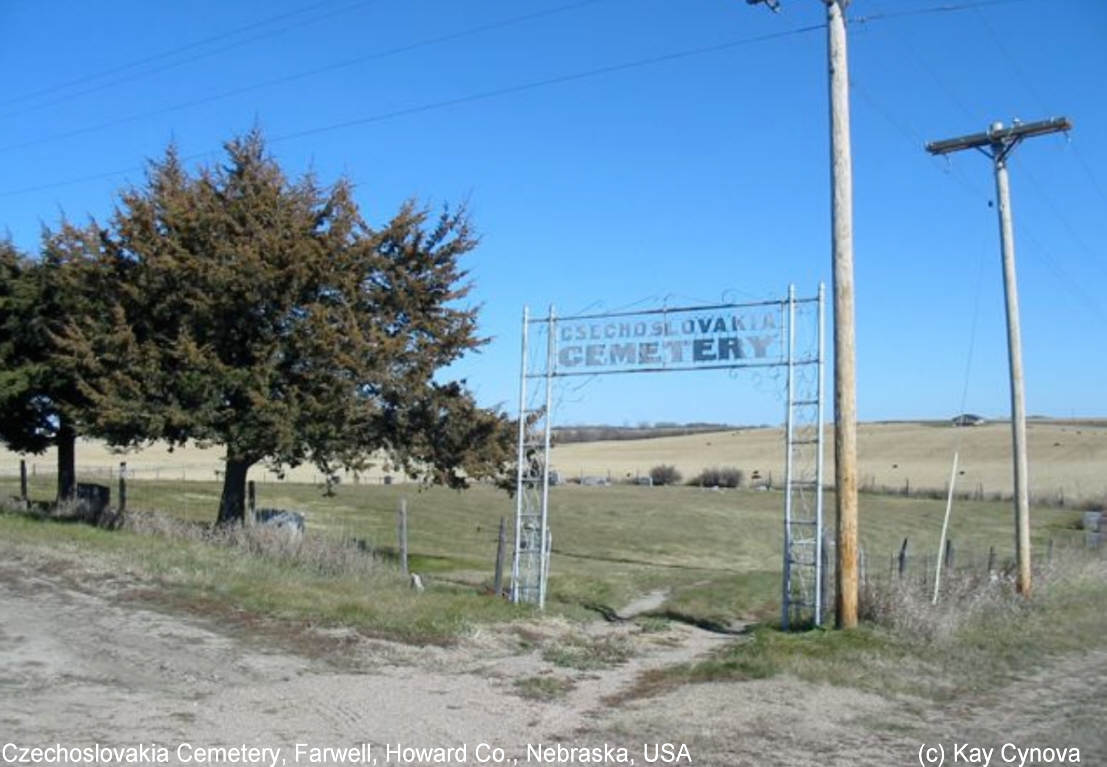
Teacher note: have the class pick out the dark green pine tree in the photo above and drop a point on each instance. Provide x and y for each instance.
(42, 403)
(266, 316)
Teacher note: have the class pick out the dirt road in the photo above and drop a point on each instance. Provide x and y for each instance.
(88, 660)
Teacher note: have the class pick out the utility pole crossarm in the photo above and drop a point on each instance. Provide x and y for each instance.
(1002, 135)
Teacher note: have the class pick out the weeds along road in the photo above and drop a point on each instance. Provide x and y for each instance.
(89, 657)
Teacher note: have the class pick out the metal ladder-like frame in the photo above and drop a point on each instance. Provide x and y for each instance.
(806, 544)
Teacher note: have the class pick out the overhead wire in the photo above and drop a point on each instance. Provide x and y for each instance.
(931, 10)
(1064, 279)
(163, 54)
(173, 64)
(293, 77)
(599, 71)
(1024, 170)
(466, 99)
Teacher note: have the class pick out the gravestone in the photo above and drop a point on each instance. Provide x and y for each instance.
(92, 500)
(1093, 529)
(282, 519)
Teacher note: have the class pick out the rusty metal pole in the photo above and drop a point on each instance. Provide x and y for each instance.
(845, 380)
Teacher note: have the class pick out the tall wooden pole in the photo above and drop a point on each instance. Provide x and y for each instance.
(998, 142)
(845, 380)
(1018, 387)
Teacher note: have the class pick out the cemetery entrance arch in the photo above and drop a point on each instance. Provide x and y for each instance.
(731, 336)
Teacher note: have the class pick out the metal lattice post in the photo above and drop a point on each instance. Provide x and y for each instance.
(545, 529)
(820, 559)
(520, 459)
(790, 341)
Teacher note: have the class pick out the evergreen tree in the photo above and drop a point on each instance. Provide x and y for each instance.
(266, 316)
(41, 400)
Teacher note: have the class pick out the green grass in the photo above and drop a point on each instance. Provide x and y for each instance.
(979, 638)
(221, 579)
(543, 687)
(716, 553)
(587, 653)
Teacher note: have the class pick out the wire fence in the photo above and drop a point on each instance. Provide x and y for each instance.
(919, 568)
(107, 473)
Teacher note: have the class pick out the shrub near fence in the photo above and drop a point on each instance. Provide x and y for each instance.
(720, 476)
(665, 475)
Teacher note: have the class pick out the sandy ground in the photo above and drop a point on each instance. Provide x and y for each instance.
(87, 660)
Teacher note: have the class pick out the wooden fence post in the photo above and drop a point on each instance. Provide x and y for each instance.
(122, 486)
(251, 502)
(949, 555)
(23, 480)
(501, 546)
(903, 559)
(402, 534)
(991, 559)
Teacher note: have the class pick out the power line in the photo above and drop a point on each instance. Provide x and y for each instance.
(1040, 188)
(1079, 157)
(470, 98)
(1072, 285)
(305, 74)
(558, 80)
(1064, 279)
(938, 80)
(164, 54)
(485, 95)
(174, 64)
(1024, 80)
(932, 10)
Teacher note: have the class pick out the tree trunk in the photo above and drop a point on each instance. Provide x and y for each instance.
(67, 461)
(232, 505)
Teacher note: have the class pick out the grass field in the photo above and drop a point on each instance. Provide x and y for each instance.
(715, 554)
(1067, 459)
(707, 557)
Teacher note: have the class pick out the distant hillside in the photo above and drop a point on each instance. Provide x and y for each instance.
(1067, 458)
(606, 433)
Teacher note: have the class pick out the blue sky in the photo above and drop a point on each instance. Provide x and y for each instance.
(683, 180)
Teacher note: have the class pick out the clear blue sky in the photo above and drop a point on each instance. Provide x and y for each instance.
(674, 181)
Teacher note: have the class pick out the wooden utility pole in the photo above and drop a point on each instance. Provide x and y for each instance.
(845, 379)
(998, 142)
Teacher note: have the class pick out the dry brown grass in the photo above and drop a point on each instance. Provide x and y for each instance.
(1066, 459)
